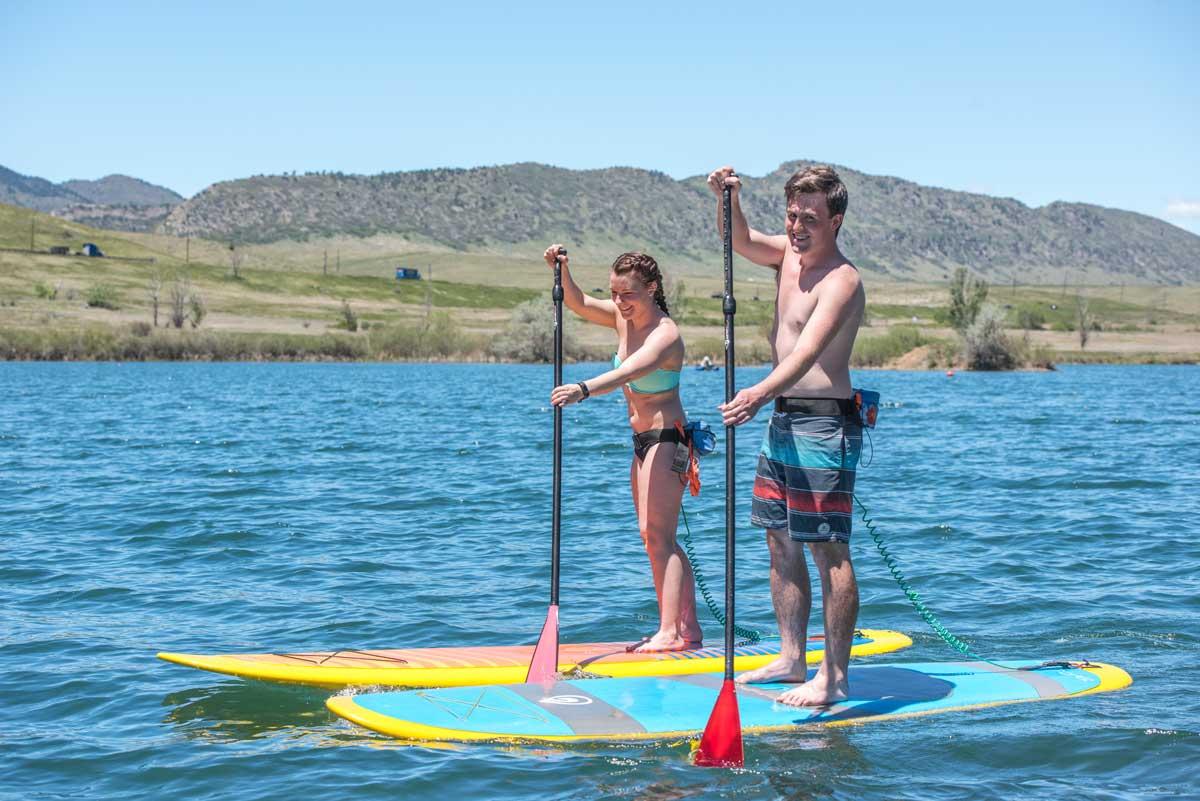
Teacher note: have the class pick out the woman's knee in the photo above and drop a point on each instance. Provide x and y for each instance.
(658, 538)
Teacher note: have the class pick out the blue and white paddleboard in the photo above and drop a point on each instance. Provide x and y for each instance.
(672, 706)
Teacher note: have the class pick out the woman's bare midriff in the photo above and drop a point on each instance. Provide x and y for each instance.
(659, 410)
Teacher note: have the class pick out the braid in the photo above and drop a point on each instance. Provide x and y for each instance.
(660, 297)
(647, 270)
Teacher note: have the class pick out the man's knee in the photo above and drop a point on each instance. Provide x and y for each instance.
(777, 538)
(831, 555)
(782, 546)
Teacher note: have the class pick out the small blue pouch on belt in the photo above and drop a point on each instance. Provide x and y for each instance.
(867, 403)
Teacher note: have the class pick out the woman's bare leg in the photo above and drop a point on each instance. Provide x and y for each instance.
(658, 495)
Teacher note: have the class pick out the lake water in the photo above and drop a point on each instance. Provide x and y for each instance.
(267, 507)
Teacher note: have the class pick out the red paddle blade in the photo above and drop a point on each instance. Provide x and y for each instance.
(721, 745)
(544, 665)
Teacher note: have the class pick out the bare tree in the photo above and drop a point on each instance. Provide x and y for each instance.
(235, 261)
(1083, 320)
(154, 292)
(177, 298)
(674, 292)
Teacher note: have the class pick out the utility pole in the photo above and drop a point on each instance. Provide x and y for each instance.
(187, 250)
(32, 226)
(339, 261)
(325, 267)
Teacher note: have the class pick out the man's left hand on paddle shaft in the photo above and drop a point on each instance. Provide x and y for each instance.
(743, 406)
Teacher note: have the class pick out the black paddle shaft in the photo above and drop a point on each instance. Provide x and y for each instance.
(558, 363)
(729, 306)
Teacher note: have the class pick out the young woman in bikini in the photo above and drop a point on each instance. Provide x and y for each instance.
(646, 368)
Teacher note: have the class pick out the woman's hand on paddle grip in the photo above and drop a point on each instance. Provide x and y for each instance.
(566, 395)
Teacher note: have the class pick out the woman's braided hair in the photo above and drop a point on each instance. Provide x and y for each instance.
(647, 270)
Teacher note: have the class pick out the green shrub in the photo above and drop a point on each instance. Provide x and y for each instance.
(1030, 319)
(967, 294)
(196, 309)
(439, 336)
(349, 319)
(986, 346)
(102, 296)
(45, 291)
(529, 336)
(876, 351)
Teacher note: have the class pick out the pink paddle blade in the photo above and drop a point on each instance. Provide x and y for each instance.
(721, 745)
(544, 665)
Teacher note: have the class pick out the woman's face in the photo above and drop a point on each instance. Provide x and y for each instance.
(630, 294)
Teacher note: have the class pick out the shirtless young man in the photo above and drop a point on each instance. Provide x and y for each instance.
(805, 478)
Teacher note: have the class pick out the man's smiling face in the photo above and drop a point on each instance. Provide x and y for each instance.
(809, 224)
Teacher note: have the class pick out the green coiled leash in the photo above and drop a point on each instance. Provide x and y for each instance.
(751, 636)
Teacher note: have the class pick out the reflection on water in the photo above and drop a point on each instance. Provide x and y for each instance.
(245, 710)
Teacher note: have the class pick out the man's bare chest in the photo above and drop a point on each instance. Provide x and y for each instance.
(797, 298)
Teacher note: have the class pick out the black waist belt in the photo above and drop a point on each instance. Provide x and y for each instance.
(820, 407)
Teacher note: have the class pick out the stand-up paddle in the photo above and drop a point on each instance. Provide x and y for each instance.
(721, 744)
(544, 664)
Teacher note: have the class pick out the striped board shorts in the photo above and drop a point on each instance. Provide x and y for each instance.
(805, 478)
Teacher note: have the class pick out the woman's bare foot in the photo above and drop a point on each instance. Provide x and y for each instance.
(664, 642)
(818, 692)
(782, 669)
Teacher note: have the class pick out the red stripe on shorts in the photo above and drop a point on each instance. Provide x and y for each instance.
(768, 489)
(819, 502)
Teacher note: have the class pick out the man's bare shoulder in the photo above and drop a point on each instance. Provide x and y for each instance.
(844, 279)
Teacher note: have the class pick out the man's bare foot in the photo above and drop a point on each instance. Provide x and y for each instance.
(664, 642)
(782, 669)
(817, 692)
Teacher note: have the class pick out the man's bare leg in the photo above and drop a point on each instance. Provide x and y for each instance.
(839, 591)
(791, 594)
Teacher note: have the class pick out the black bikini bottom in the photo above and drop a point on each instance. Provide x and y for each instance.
(644, 441)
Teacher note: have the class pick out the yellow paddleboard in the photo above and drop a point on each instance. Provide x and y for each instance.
(505, 664)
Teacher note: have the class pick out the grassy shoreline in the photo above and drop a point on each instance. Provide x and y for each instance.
(281, 303)
(907, 350)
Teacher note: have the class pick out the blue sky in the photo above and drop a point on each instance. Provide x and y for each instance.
(1094, 102)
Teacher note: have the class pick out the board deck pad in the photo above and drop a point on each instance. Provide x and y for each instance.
(674, 706)
(458, 667)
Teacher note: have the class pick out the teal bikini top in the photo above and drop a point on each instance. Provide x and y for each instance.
(658, 381)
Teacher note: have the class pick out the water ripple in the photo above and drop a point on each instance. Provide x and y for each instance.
(264, 507)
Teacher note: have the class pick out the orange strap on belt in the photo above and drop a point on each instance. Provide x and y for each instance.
(691, 478)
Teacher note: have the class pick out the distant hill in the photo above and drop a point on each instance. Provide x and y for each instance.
(894, 227)
(121, 190)
(114, 201)
(35, 193)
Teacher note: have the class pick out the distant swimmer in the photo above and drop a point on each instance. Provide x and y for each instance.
(804, 484)
(646, 367)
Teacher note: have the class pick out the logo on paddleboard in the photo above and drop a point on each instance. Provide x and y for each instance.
(566, 700)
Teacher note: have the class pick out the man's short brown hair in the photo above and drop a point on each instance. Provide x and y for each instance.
(819, 179)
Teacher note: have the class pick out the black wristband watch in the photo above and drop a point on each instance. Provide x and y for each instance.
(587, 393)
